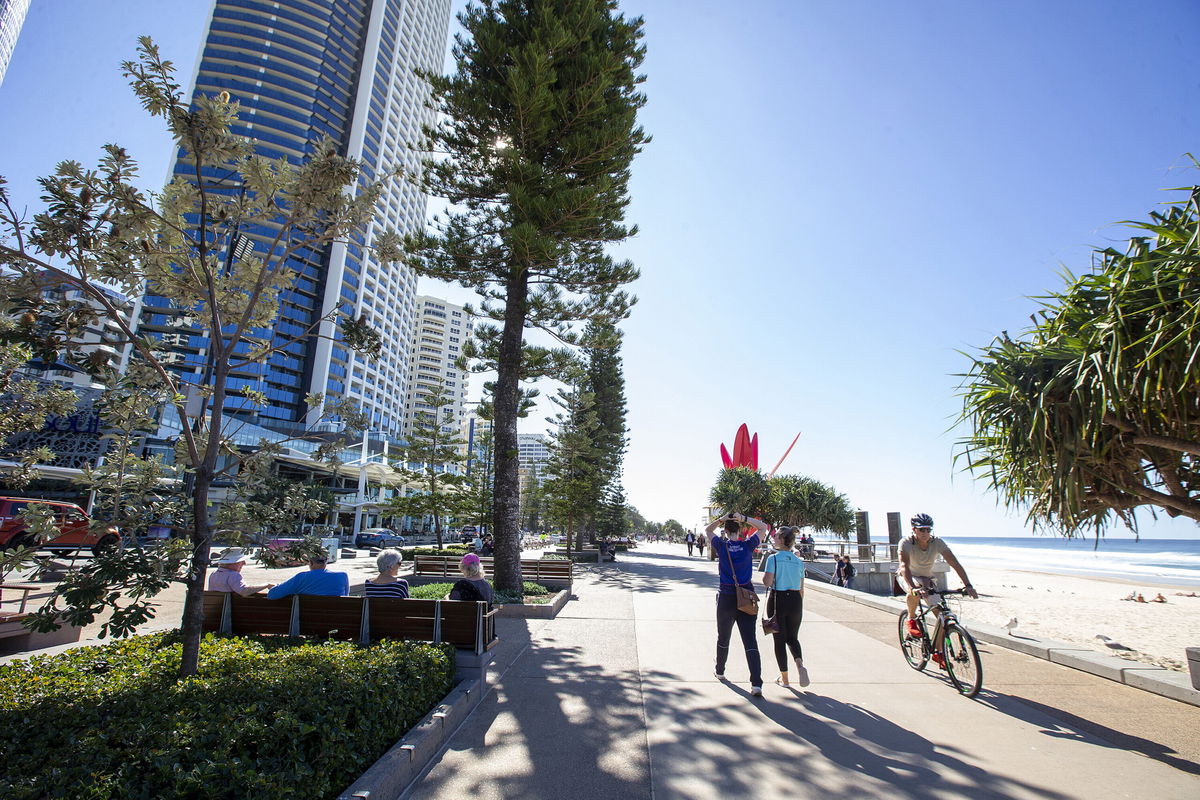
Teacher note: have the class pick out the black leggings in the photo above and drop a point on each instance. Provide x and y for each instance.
(727, 616)
(788, 608)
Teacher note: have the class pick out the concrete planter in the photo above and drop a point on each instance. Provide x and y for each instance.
(539, 611)
(390, 776)
(1193, 659)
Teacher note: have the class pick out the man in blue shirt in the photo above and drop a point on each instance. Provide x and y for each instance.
(318, 580)
(734, 556)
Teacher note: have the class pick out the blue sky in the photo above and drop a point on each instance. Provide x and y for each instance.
(839, 198)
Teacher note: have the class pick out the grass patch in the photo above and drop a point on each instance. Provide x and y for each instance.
(266, 717)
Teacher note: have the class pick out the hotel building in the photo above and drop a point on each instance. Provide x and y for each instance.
(302, 70)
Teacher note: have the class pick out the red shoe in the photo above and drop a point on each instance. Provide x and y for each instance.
(914, 629)
(939, 660)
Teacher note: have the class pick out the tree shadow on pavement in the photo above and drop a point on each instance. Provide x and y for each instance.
(821, 747)
(1065, 725)
(557, 725)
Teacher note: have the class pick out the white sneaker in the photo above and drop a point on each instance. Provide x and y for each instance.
(756, 691)
(802, 675)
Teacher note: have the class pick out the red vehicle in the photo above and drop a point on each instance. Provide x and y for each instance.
(74, 526)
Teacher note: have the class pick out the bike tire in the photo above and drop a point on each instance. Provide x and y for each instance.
(962, 660)
(914, 650)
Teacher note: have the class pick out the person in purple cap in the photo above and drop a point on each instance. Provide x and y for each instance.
(472, 585)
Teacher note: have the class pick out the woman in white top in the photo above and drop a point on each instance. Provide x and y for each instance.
(783, 575)
(386, 584)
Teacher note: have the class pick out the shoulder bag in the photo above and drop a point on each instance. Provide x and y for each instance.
(770, 624)
(747, 599)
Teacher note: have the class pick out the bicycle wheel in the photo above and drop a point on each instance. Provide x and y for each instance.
(962, 661)
(914, 649)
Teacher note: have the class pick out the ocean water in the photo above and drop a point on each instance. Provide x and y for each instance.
(1170, 561)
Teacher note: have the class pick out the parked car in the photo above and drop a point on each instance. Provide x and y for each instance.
(378, 537)
(73, 523)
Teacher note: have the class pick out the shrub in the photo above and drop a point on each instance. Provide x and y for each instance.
(453, 550)
(430, 591)
(436, 591)
(266, 717)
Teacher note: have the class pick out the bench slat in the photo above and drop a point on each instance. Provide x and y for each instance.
(341, 618)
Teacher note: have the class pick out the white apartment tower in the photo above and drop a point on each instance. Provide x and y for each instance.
(533, 452)
(302, 70)
(441, 329)
(12, 17)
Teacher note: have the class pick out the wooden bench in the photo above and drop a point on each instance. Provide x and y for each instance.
(467, 625)
(544, 571)
(19, 639)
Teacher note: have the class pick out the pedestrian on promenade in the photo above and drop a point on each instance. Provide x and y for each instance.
(700, 545)
(848, 572)
(690, 541)
(317, 580)
(783, 575)
(735, 568)
(839, 572)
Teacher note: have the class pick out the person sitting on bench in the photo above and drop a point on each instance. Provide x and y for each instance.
(317, 580)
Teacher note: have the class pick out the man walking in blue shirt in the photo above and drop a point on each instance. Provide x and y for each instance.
(318, 580)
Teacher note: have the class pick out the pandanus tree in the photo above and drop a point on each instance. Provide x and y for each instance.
(1095, 411)
(743, 490)
(808, 503)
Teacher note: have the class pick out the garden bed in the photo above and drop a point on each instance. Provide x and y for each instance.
(437, 588)
(266, 717)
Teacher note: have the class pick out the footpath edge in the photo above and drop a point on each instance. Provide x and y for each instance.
(396, 770)
(1164, 682)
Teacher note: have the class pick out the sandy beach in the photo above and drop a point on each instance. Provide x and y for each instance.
(1076, 609)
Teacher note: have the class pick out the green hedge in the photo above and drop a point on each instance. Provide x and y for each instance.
(534, 592)
(453, 550)
(265, 717)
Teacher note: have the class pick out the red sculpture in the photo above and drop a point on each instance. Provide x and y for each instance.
(745, 450)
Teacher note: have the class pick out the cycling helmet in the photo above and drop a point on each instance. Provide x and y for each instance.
(921, 521)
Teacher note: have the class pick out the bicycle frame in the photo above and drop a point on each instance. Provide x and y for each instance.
(945, 641)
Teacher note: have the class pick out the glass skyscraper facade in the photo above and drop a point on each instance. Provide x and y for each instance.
(12, 17)
(301, 70)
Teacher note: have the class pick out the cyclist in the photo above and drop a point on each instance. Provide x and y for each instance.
(918, 554)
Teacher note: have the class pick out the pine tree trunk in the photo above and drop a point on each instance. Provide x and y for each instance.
(506, 501)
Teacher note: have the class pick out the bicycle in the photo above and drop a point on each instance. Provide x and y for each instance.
(955, 651)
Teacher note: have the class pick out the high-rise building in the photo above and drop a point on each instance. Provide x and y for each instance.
(12, 17)
(440, 331)
(533, 451)
(101, 338)
(301, 70)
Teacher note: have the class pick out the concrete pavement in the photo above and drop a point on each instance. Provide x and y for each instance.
(615, 698)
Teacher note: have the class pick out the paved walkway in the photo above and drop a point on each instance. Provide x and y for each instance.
(616, 699)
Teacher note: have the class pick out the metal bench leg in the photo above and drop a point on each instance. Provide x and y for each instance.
(364, 626)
